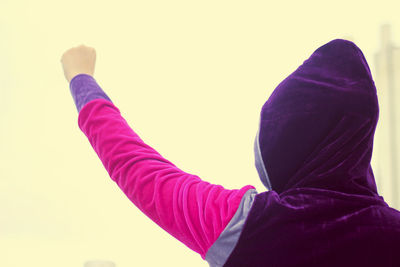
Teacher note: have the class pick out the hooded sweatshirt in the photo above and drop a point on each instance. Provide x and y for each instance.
(312, 151)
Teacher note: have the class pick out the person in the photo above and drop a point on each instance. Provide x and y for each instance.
(312, 151)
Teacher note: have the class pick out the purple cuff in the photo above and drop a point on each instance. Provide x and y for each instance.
(84, 88)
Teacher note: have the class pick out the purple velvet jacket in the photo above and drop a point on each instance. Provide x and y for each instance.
(312, 152)
(316, 139)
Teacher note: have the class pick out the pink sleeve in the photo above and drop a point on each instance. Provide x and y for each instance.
(192, 210)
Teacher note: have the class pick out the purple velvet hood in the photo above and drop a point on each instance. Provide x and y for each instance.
(313, 151)
(317, 127)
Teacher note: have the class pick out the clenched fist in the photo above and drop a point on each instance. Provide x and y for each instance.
(77, 60)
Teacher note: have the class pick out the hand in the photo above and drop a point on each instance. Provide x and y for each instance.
(77, 60)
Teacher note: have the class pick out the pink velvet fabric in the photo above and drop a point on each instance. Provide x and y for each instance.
(192, 210)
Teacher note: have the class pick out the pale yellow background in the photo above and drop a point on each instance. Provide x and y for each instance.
(190, 77)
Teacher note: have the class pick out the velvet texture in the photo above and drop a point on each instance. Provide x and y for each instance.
(316, 140)
(318, 125)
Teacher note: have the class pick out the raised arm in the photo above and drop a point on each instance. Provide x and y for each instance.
(192, 210)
